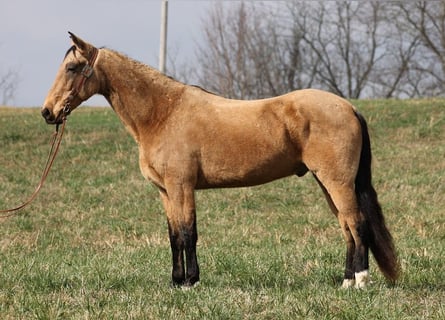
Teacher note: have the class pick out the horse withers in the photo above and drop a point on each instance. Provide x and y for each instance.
(190, 139)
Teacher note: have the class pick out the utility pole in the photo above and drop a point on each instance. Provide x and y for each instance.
(163, 40)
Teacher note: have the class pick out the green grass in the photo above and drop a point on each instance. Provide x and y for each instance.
(94, 244)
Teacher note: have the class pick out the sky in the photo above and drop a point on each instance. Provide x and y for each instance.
(34, 36)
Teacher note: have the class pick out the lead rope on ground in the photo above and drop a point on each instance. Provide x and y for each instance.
(55, 144)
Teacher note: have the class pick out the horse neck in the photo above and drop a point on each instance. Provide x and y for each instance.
(141, 96)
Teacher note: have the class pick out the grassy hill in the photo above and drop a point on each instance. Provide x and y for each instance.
(94, 244)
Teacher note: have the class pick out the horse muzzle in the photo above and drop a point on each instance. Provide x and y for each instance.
(49, 116)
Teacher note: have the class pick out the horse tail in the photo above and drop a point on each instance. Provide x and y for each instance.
(380, 239)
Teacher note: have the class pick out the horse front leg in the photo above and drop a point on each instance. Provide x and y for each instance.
(190, 234)
(177, 249)
(179, 204)
(176, 243)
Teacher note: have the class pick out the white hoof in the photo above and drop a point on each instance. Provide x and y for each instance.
(362, 279)
(348, 283)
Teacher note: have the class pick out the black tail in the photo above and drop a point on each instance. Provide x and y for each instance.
(380, 240)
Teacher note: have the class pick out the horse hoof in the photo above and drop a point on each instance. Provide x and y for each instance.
(186, 287)
(348, 283)
(362, 279)
(176, 284)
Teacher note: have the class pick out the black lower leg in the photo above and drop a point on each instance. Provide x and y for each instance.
(361, 256)
(349, 265)
(190, 240)
(177, 248)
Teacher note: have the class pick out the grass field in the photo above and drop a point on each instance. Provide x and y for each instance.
(94, 244)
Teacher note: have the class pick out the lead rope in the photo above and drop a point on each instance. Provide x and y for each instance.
(55, 144)
(86, 72)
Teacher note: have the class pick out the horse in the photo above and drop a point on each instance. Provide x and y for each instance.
(190, 139)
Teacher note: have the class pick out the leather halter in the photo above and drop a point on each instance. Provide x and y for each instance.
(86, 73)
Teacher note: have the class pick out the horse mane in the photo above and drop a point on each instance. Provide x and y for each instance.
(205, 90)
(138, 65)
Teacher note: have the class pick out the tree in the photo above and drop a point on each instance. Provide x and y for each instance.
(8, 86)
(247, 55)
(354, 49)
(9, 81)
(225, 64)
(344, 36)
(425, 21)
(331, 45)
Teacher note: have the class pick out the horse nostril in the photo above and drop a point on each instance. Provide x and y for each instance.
(46, 113)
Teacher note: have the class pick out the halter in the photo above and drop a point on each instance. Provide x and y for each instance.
(86, 73)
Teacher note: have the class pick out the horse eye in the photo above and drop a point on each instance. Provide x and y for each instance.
(71, 67)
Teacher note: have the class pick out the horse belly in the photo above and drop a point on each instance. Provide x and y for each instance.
(247, 169)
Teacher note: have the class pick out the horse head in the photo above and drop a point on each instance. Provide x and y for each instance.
(75, 82)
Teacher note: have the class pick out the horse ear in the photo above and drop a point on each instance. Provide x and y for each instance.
(84, 47)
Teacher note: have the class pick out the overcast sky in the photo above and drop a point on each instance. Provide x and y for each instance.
(34, 38)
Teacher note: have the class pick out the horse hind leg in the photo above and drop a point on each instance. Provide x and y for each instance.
(327, 196)
(349, 276)
(342, 201)
(355, 229)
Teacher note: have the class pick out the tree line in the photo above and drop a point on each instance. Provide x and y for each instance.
(356, 49)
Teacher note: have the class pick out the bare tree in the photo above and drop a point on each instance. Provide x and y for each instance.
(246, 54)
(425, 20)
(352, 48)
(333, 45)
(9, 80)
(223, 53)
(225, 58)
(182, 71)
(391, 77)
(8, 86)
(344, 36)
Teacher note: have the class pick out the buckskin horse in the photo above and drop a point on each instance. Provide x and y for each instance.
(191, 139)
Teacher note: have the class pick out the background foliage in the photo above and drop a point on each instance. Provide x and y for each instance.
(356, 49)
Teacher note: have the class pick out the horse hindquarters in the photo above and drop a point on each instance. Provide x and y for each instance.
(334, 159)
(354, 201)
